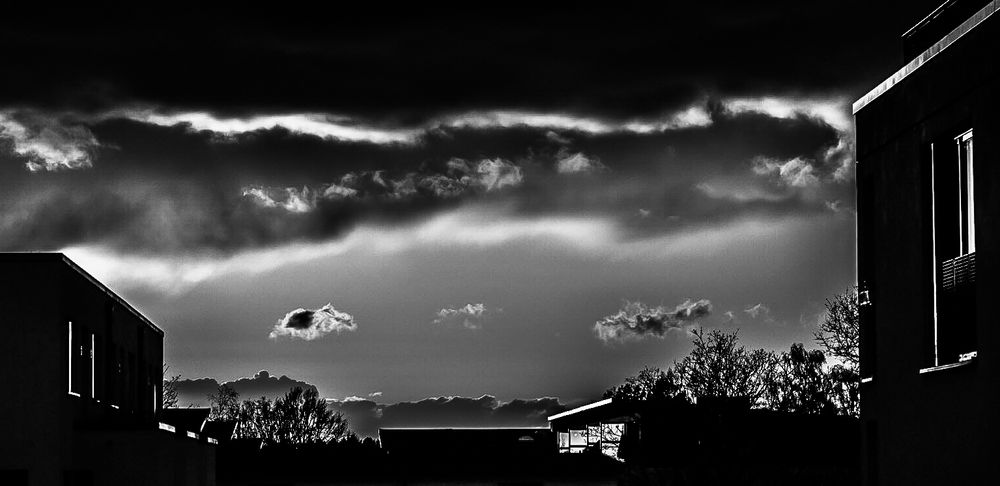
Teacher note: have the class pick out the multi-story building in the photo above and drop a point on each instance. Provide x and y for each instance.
(81, 375)
(928, 189)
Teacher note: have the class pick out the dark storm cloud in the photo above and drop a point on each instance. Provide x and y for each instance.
(636, 320)
(262, 384)
(420, 62)
(166, 190)
(366, 416)
(351, 122)
(310, 324)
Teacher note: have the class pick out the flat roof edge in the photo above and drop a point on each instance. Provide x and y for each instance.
(54, 256)
(952, 37)
(111, 293)
(588, 406)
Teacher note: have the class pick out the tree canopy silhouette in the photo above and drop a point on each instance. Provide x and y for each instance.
(720, 367)
(298, 418)
(818, 381)
(652, 384)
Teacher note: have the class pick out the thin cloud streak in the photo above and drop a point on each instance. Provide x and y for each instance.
(469, 227)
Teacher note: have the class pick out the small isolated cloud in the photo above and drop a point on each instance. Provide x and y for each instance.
(470, 316)
(577, 163)
(796, 172)
(644, 213)
(375, 394)
(760, 312)
(757, 310)
(636, 320)
(313, 324)
(47, 142)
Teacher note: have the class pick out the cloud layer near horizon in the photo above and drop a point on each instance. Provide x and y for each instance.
(365, 415)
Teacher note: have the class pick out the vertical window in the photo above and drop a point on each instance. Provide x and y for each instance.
(954, 247)
(93, 367)
(77, 364)
(69, 347)
(577, 440)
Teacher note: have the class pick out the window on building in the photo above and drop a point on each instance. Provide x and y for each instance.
(954, 247)
(611, 437)
(577, 440)
(77, 364)
(93, 366)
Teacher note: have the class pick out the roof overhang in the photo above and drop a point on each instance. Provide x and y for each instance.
(971, 23)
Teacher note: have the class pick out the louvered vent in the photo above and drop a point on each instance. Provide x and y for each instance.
(958, 272)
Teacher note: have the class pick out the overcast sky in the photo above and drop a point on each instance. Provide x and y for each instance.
(408, 204)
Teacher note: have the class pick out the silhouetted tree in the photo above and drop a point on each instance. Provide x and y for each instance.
(224, 403)
(169, 397)
(719, 367)
(839, 336)
(839, 331)
(801, 384)
(298, 418)
(651, 384)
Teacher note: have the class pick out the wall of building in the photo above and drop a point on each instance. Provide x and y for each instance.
(934, 427)
(115, 396)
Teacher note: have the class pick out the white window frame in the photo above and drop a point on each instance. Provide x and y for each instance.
(69, 367)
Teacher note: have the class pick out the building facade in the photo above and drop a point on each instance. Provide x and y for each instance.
(928, 189)
(82, 382)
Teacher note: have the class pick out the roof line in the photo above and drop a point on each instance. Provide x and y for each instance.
(109, 292)
(969, 24)
(580, 409)
(937, 11)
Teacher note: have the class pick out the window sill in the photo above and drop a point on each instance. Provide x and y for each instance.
(948, 366)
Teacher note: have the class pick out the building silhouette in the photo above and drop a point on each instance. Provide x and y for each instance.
(82, 384)
(927, 152)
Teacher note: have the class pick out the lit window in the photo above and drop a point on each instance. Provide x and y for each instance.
(93, 375)
(611, 437)
(69, 347)
(954, 246)
(563, 440)
(577, 440)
